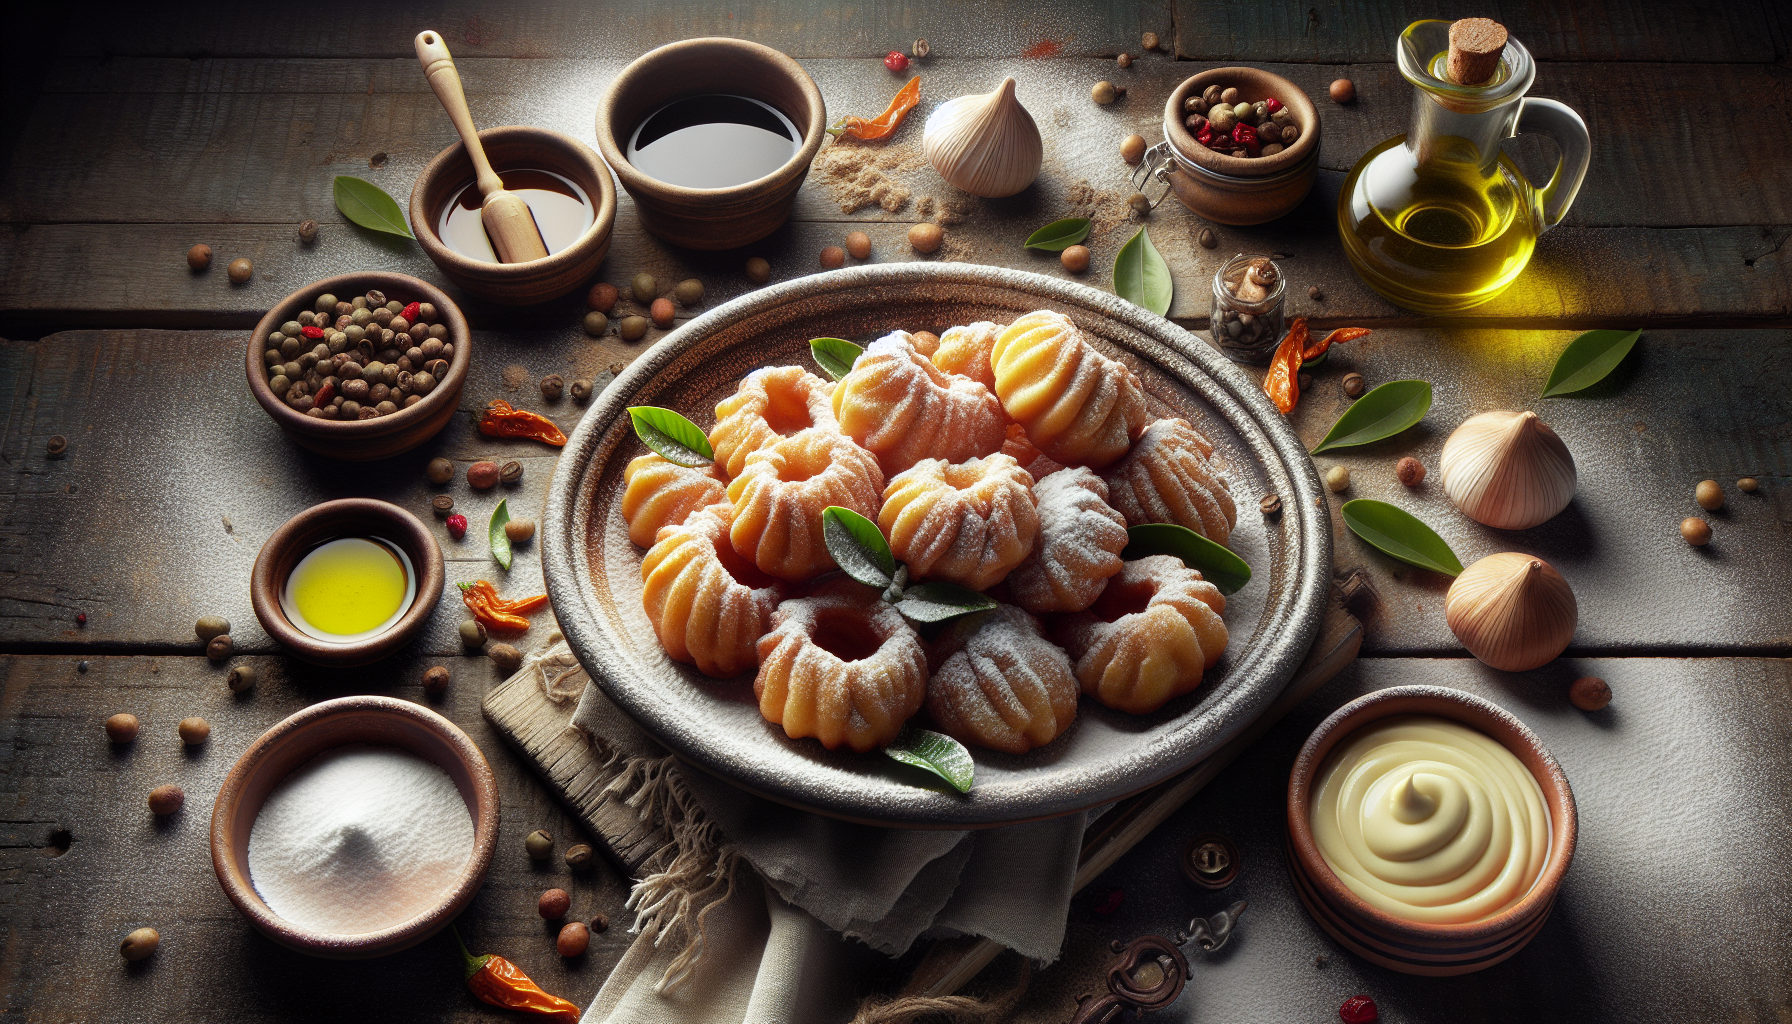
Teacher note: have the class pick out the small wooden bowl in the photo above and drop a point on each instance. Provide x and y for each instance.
(364, 440)
(517, 284)
(1242, 190)
(711, 218)
(345, 517)
(1407, 946)
(377, 721)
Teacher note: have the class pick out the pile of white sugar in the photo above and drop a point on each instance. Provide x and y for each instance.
(359, 840)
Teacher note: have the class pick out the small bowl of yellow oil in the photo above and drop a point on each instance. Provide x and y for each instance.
(347, 582)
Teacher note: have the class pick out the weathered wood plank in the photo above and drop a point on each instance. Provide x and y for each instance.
(1334, 30)
(121, 869)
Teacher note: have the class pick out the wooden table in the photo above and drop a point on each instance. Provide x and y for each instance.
(130, 135)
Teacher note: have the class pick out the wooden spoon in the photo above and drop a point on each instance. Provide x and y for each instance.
(507, 218)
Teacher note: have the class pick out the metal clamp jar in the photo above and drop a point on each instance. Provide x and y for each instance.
(1247, 329)
(1230, 189)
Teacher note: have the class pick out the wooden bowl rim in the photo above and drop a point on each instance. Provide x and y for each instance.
(241, 891)
(1256, 84)
(348, 432)
(1477, 713)
(648, 64)
(603, 218)
(431, 570)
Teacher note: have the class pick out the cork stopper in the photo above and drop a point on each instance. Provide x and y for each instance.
(1475, 47)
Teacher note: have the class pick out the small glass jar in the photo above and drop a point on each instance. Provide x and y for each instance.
(1248, 328)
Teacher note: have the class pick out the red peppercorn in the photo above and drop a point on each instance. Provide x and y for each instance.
(1111, 902)
(311, 331)
(1359, 1010)
(1246, 136)
(457, 526)
(411, 311)
(80, 618)
(896, 61)
(323, 396)
(1272, 104)
(1205, 135)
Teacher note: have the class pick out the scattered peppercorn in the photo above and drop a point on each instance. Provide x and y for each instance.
(689, 291)
(596, 324)
(122, 727)
(240, 270)
(511, 473)
(1337, 479)
(193, 731)
(1124, 60)
(1140, 203)
(579, 856)
(139, 944)
(758, 270)
(520, 531)
(80, 618)
(1359, 1010)
(218, 648)
(600, 923)
(1589, 693)
(56, 447)
(439, 471)
(1696, 531)
(1103, 93)
(581, 389)
(1410, 471)
(482, 475)
(435, 681)
(1306, 381)
(1343, 90)
(81, 667)
(1709, 495)
(539, 844)
(926, 237)
(1748, 485)
(633, 328)
(505, 658)
(553, 904)
(472, 633)
(1132, 148)
(858, 246)
(307, 231)
(920, 49)
(573, 940)
(663, 313)
(1270, 504)
(200, 256)
(1316, 294)
(240, 678)
(1207, 239)
(1148, 41)
(602, 297)
(896, 61)
(457, 526)
(441, 505)
(165, 800)
(1354, 384)
(1075, 258)
(552, 387)
(209, 626)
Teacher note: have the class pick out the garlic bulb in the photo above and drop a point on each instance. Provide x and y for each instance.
(1514, 612)
(1508, 470)
(986, 144)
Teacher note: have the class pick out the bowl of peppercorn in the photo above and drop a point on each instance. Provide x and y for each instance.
(361, 366)
(1241, 145)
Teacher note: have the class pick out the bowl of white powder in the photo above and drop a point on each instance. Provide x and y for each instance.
(355, 828)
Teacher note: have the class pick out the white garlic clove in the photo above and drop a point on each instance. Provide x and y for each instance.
(1507, 470)
(985, 144)
(1514, 612)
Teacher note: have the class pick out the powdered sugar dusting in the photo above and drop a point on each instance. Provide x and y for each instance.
(1167, 478)
(1000, 683)
(1080, 540)
(904, 409)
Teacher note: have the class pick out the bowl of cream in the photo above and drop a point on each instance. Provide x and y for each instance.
(1428, 830)
(355, 828)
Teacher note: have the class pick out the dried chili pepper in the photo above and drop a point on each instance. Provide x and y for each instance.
(884, 124)
(500, 419)
(1282, 382)
(494, 612)
(1246, 136)
(1316, 351)
(499, 982)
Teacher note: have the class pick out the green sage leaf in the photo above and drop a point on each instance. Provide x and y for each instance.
(1380, 414)
(835, 355)
(500, 539)
(1216, 564)
(1588, 359)
(938, 601)
(671, 436)
(1059, 235)
(858, 546)
(1399, 534)
(1141, 276)
(368, 205)
(935, 752)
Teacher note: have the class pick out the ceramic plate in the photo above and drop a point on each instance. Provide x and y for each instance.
(594, 577)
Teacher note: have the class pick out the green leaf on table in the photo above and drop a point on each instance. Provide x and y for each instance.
(368, 205)
(1141, 276)
(500, 539)
(671, 436)
(835, 355)
(1059, 235)
(1587, 360)
(858, 546)
(1400, 534)
(1216, 564)
(936, 752)
(1381, 413)
(938, 601)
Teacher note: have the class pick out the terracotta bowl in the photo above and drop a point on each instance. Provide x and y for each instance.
(346, 517)
(1406, 946)
(378, 721)
(517, 284)
(711, 218)
(364, 440)
(1242, 190)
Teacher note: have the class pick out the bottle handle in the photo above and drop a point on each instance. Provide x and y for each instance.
(1561, 123)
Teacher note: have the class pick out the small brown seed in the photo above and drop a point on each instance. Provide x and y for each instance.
(1589, 693)
(1124, 60)
(442, 505)
(435, 681)
(1410, 471)
(1748, 485)
(240, 270)
(1075, 258)
(1148, 41)
(858, 245)
(56, 447)
(1354, 384)
(240, 678)
(439, 471)
(1316, 294)
(482, 475)
(1104, 93)
(139, 944)
(1132, 148)
(600, 923)
(920, 49)
(1709, 495)
(122, 727)
(307, 231)
(574, 939)
(218, 648)
(209, 626)
(511, 473)
(1696, 531)
(200, 256)
(1270, 505)
(505, 658)
(633, 328)
(1343, 90)
(165, 800)
(1337, 479)
(602, 297)
(664, 316)
(553, 904)
(1207, 239)
(1140, 203)
(539, 844)
(193, 731)
(758, 270)
(472, 634)
(833, 258)
(926, 237)
(581, 389)
(596, 324)
(520, 531)
(579, 856)
(552, 387)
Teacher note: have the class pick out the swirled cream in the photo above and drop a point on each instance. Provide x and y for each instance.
(1429, 820)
